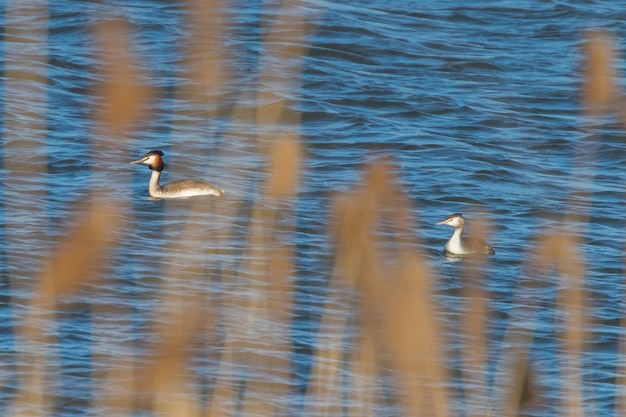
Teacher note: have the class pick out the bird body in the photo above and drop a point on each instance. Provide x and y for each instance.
(461, 245)
(175, 189)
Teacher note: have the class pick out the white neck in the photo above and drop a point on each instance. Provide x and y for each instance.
(455, 244)
(154, 189)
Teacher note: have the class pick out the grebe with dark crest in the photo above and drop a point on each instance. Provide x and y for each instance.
(460, 245)
(176, 189)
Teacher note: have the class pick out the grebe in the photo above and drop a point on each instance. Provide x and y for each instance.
(176, 189)
(459, 245)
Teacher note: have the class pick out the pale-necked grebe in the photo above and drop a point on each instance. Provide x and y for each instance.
(459, 245)
(176, 189)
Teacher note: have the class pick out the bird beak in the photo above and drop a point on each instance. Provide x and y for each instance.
(139, 161)
(441, 222)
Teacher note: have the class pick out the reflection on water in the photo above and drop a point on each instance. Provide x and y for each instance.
(317, 286)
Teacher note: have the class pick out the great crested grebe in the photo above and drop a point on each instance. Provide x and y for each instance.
(176, 189)
(459, 245)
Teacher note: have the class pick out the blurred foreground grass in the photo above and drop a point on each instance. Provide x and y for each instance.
(400, 360)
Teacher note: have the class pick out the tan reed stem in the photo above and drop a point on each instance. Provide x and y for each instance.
(393, 282)
(24, 162)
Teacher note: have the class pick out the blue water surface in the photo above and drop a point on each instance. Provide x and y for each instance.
(477, 106)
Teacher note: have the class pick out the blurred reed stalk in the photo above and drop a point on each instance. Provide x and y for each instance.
(24, 134)
(603, 99)
(396, 297)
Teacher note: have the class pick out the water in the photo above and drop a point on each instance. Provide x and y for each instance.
(478, 107)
